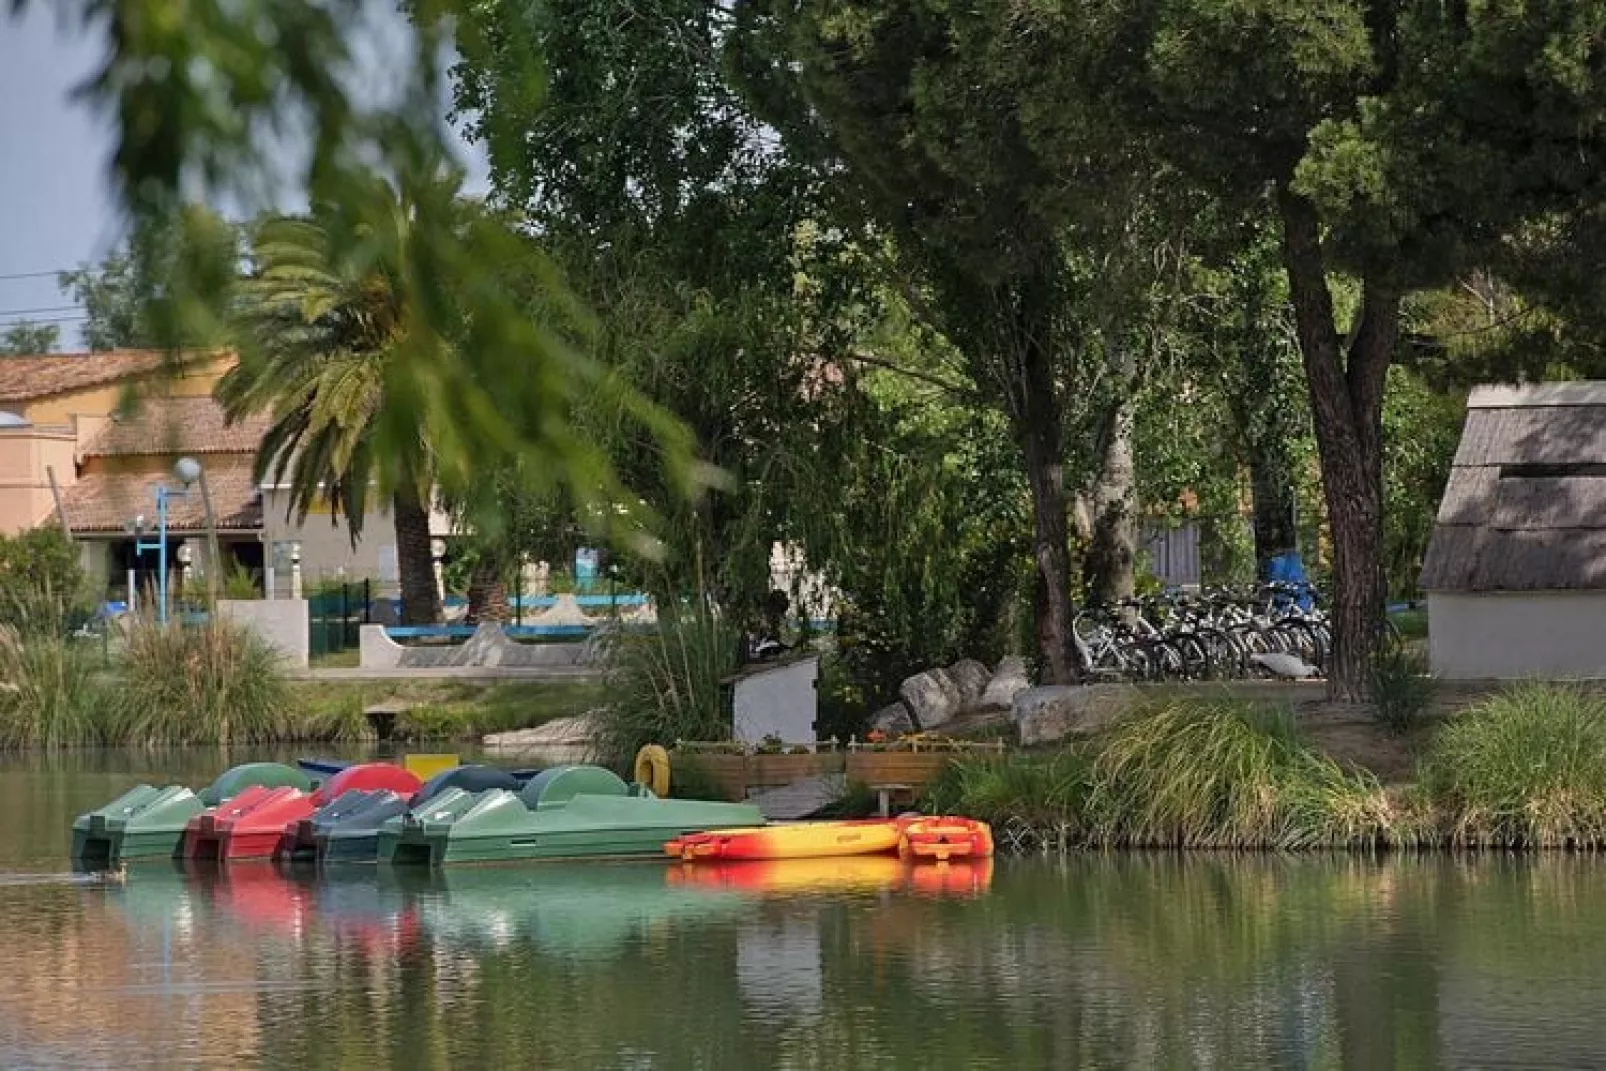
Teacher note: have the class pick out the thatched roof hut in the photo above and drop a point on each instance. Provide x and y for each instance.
(1517, 563)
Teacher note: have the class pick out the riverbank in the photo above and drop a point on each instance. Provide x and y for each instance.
(1523, 768)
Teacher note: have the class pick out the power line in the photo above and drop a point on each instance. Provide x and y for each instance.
(48, 320)
(49, 274)
(43, 308)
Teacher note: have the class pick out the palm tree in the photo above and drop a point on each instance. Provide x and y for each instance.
(320, 325)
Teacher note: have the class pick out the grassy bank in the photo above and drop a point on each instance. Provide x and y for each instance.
(1523, 769)
(218, 684)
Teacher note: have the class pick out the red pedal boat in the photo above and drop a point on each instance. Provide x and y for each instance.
(251, 825)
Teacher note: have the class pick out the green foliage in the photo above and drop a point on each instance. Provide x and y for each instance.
(1524, 769)
(41, 583)
(1402, 688)
(1421, 429)
(242, 583)
(665, 685)
(213, 683)
(1227, 775)
(25, 338)
(50, 695)
(1042, 792)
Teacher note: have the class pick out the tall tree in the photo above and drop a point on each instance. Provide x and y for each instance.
(26, 338)
(906, 115)
(1401, 140)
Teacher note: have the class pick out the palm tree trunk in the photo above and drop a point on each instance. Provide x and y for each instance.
(487, 588)
(421, 600)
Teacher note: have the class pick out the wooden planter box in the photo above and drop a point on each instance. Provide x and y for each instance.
(913, 768)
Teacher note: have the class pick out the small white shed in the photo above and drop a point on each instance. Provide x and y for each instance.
(1516, 571)
(775, 699)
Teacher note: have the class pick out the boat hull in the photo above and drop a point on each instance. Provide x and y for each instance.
(801, 840)
(497, 826)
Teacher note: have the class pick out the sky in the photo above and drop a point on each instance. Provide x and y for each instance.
(57, 210)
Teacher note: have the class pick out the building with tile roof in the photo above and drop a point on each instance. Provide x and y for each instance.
(109, 427)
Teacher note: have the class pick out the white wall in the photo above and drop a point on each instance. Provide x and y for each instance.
(779, 701)
(1516, 635)
(280, 622)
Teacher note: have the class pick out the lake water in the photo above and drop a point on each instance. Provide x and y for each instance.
(1102, 961)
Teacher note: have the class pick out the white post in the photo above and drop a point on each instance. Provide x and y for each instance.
(295, 570)
(437, 551)
(133, 596)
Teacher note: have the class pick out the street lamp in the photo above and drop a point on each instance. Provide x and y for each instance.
(187, 470)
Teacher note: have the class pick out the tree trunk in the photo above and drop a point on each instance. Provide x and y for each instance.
(1346, 395)
(1271, 487)
(1037, 415)
(421, 600)
(487, 588)
(1112, 550)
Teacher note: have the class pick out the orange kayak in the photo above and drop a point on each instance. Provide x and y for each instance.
(799, 840)
(944, 838)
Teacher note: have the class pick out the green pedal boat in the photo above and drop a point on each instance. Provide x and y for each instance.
(149, 822)
(567, 812)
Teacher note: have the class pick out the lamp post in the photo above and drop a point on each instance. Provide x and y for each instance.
(187, 470)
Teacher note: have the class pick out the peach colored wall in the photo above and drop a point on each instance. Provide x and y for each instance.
(59, 409)
(25, 453)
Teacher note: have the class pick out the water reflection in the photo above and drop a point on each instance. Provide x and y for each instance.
(1103, 961)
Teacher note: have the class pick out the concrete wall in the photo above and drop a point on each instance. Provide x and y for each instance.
(281, 622)
(1510, 635)
(778, 701)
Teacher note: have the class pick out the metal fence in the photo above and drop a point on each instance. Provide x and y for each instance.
(335, 616)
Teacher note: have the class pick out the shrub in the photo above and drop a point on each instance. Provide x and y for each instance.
(666, 685)
(49, 694)
(1402, 689)
(1526, 768)
(41, 584)
(1226, 775)
(213, 683)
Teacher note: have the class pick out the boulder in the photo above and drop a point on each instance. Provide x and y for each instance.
(932, 697)
(1008, 681)
(1053, 712)
(971, 677)
(894, 720)
(579, 729)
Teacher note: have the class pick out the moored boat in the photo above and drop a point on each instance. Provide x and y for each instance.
(793, 840)
(567, 812)
(147, 822)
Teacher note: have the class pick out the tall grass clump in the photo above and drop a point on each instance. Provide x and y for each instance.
(1225, 774)
(665, 685)
(49, 694)
(218, 682)
(1526, 768)
(1032, 800)
(1402, 688)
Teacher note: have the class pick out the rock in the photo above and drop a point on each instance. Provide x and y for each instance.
(1053, 712)
(932, 697)
(971, 677)
(1008, 681)
(894, 720)
(579, 729)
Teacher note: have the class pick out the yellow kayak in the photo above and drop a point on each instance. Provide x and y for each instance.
(800, 840)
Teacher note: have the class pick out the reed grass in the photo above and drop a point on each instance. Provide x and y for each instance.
(216, 682)
(1523, 769)
(50, 696)
(1225, 774)
(667, 685)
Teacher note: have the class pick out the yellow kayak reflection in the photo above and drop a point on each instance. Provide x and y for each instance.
(854, 873)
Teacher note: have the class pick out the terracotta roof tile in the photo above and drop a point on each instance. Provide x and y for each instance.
(106, 501)
(178, 425)
(25, 378)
